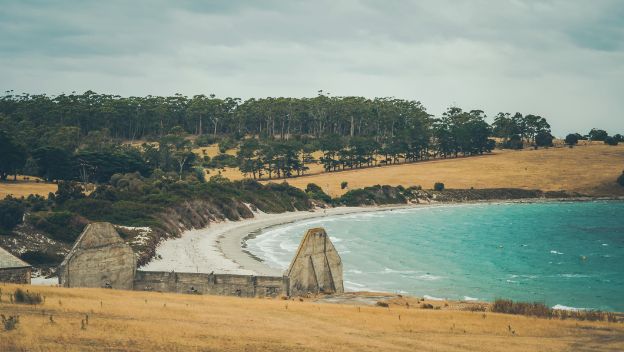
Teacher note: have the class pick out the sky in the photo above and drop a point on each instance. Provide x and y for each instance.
(563, 60)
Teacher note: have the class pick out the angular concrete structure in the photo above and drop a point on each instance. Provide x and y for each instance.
(316, 267)
(13, 269)
(99, 258)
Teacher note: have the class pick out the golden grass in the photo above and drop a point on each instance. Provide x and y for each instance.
(23, 188)
(589, 169)
(146, 321)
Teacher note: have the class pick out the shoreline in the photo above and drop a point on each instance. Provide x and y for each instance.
(221, 247)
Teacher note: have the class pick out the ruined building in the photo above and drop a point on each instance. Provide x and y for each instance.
(316, 267)
(100, 258)
(13, 269)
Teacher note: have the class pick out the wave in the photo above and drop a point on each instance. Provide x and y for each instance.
(555, 252)
(432, 298)
(468, 298)
(562, 307)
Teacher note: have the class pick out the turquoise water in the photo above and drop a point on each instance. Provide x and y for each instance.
(560, 253)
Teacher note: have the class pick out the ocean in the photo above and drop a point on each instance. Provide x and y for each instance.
(563, 254)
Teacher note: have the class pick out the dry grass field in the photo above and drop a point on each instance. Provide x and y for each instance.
(148, 321)
(23, 188)
(589, 169)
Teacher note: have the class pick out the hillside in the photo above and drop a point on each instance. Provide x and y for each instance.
(147, 321)
(590, 170)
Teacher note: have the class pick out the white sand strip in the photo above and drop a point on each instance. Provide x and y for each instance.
(217, 248)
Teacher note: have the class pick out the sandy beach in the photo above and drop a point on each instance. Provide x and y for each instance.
(218, 247)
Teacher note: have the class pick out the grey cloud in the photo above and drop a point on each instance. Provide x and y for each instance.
(561, 59)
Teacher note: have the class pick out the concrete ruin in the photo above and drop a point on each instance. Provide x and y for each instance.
(99, 258)
(316, 267)
(13, 269)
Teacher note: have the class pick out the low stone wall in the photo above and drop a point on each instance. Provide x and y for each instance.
(15, 275)
(212, 284)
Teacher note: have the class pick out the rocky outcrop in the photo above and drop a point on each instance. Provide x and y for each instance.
(99, 258)
(316, 267)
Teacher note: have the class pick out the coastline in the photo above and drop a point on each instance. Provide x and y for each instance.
(220, 247)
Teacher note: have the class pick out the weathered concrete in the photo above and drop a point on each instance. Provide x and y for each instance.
(212, 284)
(13, 269)
(99, 258)
(317, 267)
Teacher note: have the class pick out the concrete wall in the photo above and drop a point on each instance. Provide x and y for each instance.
(99, 258)
(15, 275)
(316, 267)
(212, 284)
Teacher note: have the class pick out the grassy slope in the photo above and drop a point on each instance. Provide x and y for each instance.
(145, 321)
(586, 169)
(589, 169)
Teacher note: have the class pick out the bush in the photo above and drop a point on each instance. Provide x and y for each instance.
(515, 142)
(344, 184)
(10, 322)
(541, 310)
(11, 213)
(41, 258)
(205, 140)
(315, 192)
(25, 297)
(611, 141)
(572, 139)
(222, 160)
(620, 179)
(62, 226)
(544, 139)
(438, 186)
(225, 144)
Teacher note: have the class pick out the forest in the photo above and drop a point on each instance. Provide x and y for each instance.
(90, 137)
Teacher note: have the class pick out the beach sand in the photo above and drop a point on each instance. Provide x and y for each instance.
(218, 247)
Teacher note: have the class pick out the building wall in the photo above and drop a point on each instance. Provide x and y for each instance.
(15, 275)
(110, 266)
(212, 284)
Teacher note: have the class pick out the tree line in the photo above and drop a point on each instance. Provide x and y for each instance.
(86, 136)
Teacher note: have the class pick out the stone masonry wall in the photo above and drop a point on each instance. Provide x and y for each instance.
(212, 284)
(15, 275)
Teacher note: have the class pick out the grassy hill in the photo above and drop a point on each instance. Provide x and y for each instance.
(591, 170)
(149, 321)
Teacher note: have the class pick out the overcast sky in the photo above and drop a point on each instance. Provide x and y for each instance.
(563, 60)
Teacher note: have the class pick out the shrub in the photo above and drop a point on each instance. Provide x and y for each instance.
(611, 141)
(225, 144)
(426, 306)
(41, 258)
(222, 160)
(315, 192)
(438, 186)
(205, 140)
(10, 322)
(515, 142)
(62, 226)
(344, 184)
(544, 139)
(25, 297)
(572, 139)
(620, 179)
(11, 213)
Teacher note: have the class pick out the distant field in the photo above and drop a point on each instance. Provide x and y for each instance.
(149, 321)
(590, 168)
(587, 169)
(23, 188)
